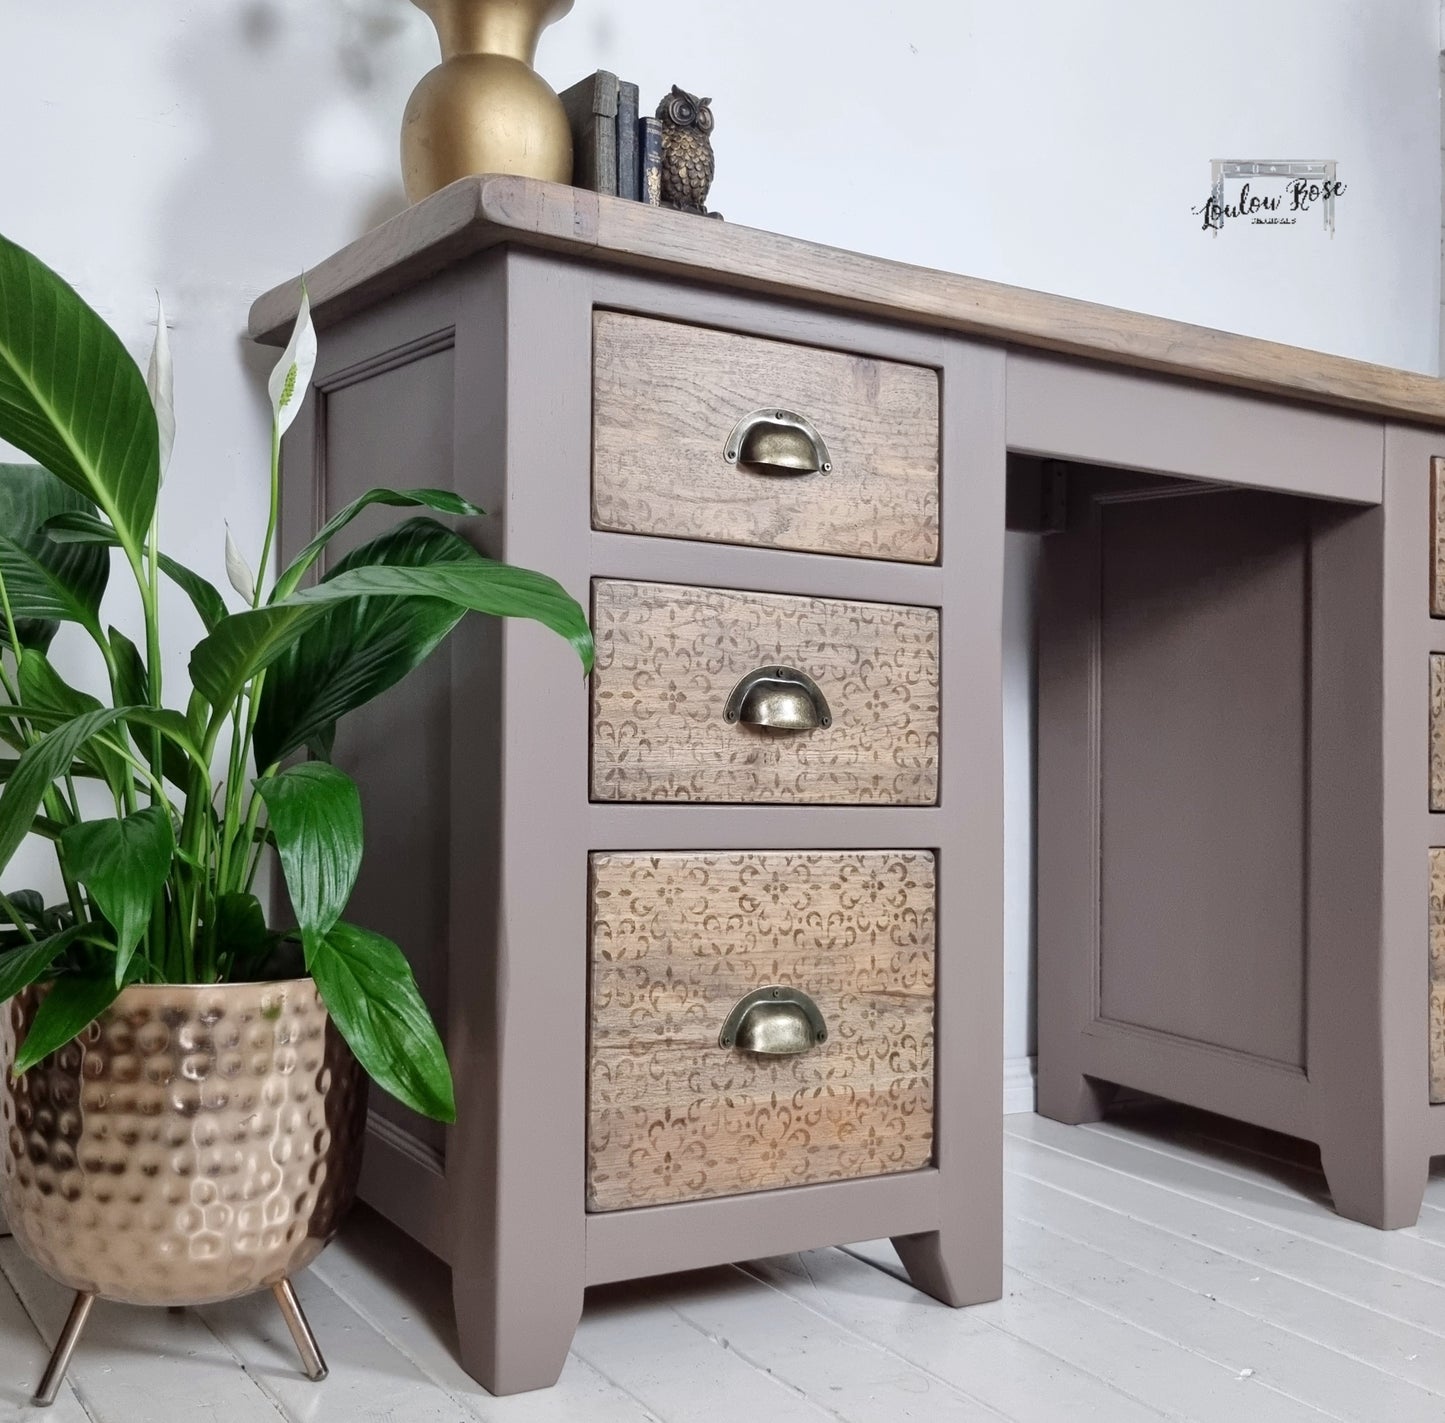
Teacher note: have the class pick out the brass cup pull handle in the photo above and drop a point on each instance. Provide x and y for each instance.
(775, 1022)
(781, 698)
(780, 441)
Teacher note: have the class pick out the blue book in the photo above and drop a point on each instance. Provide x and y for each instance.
(649, 143)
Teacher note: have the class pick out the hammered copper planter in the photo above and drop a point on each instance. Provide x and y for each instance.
(194, 1144)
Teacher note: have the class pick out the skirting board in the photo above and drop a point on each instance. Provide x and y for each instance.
(1020, 1085)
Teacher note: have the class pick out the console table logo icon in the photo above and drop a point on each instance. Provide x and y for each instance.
(1269, 192)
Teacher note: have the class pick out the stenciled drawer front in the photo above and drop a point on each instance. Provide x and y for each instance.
(679, 941)
(705, 694)
(703, 434)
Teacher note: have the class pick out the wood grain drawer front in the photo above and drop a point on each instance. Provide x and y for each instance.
(677, 940)
(666, 397)
(668, 657)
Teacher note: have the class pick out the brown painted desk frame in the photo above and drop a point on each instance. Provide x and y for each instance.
(457, 340)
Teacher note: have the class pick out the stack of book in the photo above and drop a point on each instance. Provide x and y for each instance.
(614, 149)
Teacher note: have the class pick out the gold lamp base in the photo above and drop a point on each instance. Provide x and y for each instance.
(484, 109)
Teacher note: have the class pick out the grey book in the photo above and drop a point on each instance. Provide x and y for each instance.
(591, 106)
(628, 177)
(649, 144)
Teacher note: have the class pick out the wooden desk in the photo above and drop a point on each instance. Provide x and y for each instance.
(1234, 740)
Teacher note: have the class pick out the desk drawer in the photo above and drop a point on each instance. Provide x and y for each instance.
(678, 939)
(670, 659)
(667, 399)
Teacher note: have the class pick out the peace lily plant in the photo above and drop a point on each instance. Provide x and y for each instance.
(199, 784)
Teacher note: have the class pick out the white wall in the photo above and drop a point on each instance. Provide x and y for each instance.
(213, 147)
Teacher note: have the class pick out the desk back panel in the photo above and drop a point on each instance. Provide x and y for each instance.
(1204, 627)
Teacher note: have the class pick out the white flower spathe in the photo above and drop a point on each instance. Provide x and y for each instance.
(242, 579)
(160, 381)
(292, 377)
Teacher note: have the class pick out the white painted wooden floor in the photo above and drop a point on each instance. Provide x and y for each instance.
(1158, 1266)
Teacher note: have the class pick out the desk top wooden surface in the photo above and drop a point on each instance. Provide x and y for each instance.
(477, 213)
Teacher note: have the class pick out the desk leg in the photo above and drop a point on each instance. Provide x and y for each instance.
(1068, 820)
(515, 1162)
(518, 1001)
(955, 1277)
(1067, 1095)
(1370, 833)
(1372, 1189)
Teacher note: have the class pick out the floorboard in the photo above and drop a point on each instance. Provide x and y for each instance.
(1159, 1265)
(851, 1375)
(1304, 1267)
(1053, 1367)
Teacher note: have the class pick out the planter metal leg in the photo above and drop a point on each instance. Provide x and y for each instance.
(54, 1374)
(305, 1340)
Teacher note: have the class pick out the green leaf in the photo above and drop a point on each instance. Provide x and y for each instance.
(238, 930)
(482, 586)
(47, 584)
(197, 714)
(87, 529)
(10, 729)
(314, 811)
(322, 746)
(73, 1003)
(132, 683)
(207, 602)
(21, 967)
(43, 689)
(79, 769)
(444, 501)
(246, 643)
(133, 688)
(241, 646)
(357, 649)
(39, 767)
(373, 999)
(29, 904)
(124, 864)
(48, 698)
(178, 742)
(80, 528)
(72, 398)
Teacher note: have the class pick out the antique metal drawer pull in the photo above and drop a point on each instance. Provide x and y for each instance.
(777, 1022)
(781, 698)
(778, 440)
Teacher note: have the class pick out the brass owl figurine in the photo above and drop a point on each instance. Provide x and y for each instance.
(687, 158)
